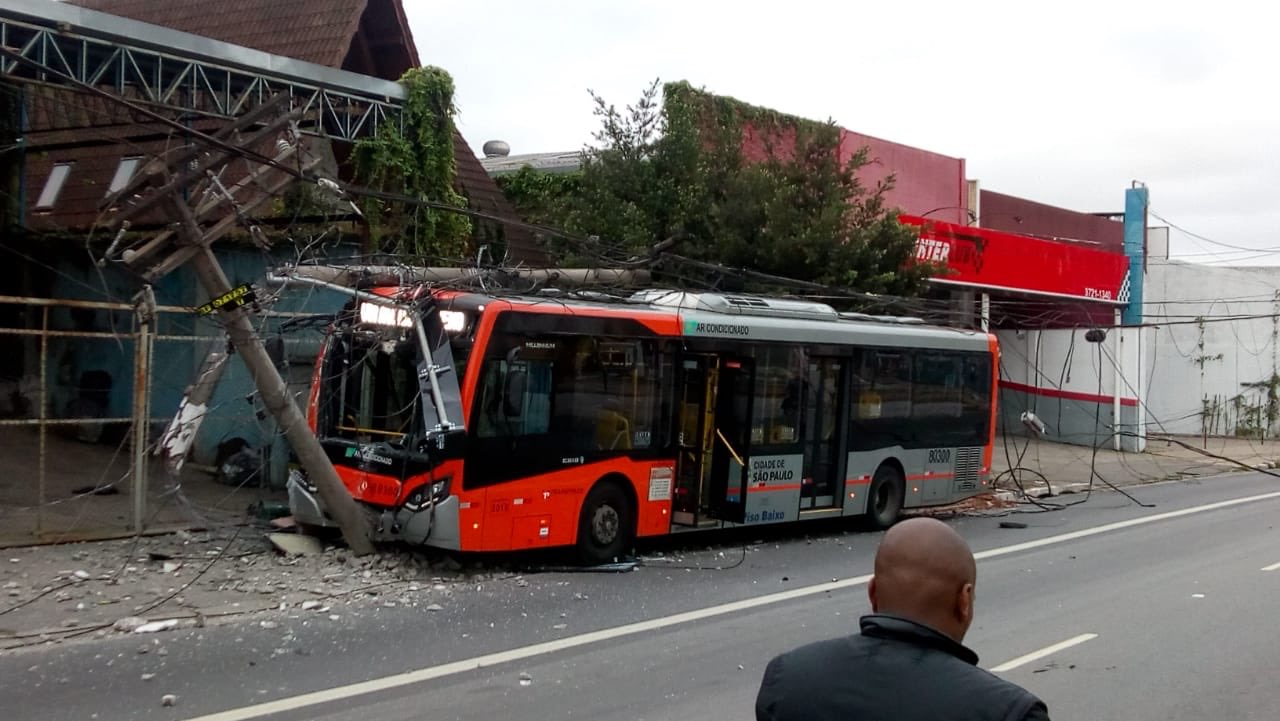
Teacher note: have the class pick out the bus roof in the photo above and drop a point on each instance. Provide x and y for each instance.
(744, 317)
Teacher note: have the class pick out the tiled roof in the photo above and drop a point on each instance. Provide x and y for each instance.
(317, 31)
(483, 195)
(93, 168)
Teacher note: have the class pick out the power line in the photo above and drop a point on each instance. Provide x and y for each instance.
(1211, 241)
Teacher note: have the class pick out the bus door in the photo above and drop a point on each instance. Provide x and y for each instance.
(730, 446)
(821, 435)
(714, 414)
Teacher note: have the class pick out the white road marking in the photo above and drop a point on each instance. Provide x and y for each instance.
(1037, 655)
(1272, 567)
(1118, 525)
(538, 649)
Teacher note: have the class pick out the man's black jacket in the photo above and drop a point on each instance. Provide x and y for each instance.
(895, 670)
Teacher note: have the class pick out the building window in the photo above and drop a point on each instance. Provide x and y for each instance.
(124, 173)
(53, 186)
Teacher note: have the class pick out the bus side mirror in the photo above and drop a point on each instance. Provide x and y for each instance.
(513, 393)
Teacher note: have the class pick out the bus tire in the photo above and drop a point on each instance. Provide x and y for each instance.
(606, 525)
(884, 501)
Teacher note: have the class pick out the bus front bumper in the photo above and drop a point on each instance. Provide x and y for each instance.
(435, 525)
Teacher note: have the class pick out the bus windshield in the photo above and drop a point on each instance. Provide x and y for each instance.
(375, 392)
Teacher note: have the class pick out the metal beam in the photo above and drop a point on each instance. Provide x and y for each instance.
(186, 73)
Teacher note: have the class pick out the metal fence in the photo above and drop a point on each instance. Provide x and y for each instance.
(78, 432)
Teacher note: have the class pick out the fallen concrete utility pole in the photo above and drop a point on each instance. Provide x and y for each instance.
(275, 397)
(187, 241)
(351, 276)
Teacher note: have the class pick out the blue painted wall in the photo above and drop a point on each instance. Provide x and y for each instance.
(235, 407)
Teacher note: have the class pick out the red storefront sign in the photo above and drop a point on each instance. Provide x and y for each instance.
(994, 260)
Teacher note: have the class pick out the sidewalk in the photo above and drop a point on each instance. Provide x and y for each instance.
(54, 593)
(73, 512)
(1068, 467)
(51, 594)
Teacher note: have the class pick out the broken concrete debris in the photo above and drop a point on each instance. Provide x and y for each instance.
(157, 626)
(129, 624)
(228, 574)
(292, 544)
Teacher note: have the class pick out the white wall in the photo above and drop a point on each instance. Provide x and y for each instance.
(1072, 383)
(1209, 353)
(1201, 369)
(1056, 359)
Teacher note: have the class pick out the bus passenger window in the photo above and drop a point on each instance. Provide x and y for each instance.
(869, 404)
(587, 395)
(613, 430)
(884, 385)
(976, 397)
(977, 383)
(937, 386)
(613, 391)
(500, 416)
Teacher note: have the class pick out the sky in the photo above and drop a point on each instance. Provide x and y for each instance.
(1061, 103)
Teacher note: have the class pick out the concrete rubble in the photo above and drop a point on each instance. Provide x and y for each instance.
(151, 585)
(293, 544)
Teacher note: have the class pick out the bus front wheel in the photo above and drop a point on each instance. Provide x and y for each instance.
(606, 526)
(885, 501)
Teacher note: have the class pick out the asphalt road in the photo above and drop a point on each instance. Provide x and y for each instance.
(1169, 619)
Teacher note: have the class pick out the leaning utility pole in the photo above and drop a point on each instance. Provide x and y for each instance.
(197, 173)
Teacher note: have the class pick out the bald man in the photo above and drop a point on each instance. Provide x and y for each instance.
(909, 662)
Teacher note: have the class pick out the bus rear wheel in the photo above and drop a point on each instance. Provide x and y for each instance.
(885, 502)
(606, 526)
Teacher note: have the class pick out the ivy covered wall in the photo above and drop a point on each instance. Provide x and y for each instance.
(416, 160)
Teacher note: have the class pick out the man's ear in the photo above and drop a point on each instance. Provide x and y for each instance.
(964, 605)
(871, 595)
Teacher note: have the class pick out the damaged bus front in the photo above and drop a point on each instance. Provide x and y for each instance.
(386, 406)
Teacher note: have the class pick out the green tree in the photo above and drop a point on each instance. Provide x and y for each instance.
(678, 169)
(540, 197)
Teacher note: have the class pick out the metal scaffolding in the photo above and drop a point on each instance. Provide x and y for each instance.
(187, 73)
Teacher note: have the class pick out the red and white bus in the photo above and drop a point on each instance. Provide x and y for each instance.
(481, 423)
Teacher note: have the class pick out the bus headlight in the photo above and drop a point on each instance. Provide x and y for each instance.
(378, 314)
(454, 321)
(419, 499)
